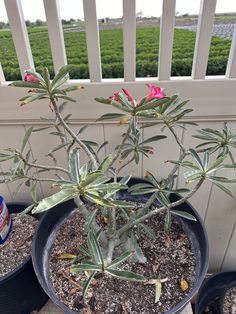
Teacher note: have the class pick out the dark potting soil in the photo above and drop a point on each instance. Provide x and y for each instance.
(229, 303)
(18, 245)
(168, 257)
(212, 307)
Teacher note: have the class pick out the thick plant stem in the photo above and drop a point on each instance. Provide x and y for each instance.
(85, 213)
(73, 135)
(131, 224)
(111, 246)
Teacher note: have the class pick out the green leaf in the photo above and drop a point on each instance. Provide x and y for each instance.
(66, 98)
(33, 191)
(95, 249)
(104, 166)
(27, 84)
(101, 146)
(28, 99)
(26, 138)
(148, 230)
(87, 283)
(120, 106)
(223, 188)
(103, 100)
(153, 139)
(91, 177)
(85, 267)
(4, 157)
(55, 199)
(183, 214)
(109, 116)
(46, 77)
(61, 76)
(90, 219)
(27, 210)
(72, 88)
(196, 157)
(125, 275)
(73, 163)
(57, 148)
(123, 257)
(221, 179)
(152, 104)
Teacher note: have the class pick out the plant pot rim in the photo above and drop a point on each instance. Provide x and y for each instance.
(24, 264)
(52, 295)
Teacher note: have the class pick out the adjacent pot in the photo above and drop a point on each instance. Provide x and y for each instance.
(53, 219)
(20, 292)
(213, 290)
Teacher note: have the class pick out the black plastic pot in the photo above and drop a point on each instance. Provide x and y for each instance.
(20, 291)
(229, 286)
(53, 219)
(213, 290)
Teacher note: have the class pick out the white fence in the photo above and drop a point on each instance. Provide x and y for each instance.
(213, 101)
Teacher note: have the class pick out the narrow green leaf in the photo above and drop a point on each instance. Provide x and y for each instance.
(122, 258)
(62, 74)
(26, 138)
(27, 84)
(125, 275)
(66, 98)
(90, 219)
(148, 230)
(72, 88)
(104, 166)
(153, 139)
(223, 188)
(109, 116)
(103, 100)
(54, 199)
(85, 267)
(95, 249)
(73, 164)
(27, 210)
(183, 214)
(87, 283)
(196, 157)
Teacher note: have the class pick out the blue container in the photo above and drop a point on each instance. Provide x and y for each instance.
(5, 221)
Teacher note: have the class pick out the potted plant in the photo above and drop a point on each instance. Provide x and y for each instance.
(108, 240)
(16, 264)
(217, 294)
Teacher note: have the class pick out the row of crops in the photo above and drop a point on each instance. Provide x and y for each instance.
(112, 53)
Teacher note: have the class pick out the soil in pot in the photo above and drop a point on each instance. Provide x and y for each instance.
(17, 247)
(168, 257)
(229, 302)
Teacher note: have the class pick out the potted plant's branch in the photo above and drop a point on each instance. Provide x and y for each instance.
(73, 135)
(131, 224)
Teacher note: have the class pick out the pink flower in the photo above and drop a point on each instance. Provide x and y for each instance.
(129, 96)
(30, 78)
(155, 92)
(115, 96)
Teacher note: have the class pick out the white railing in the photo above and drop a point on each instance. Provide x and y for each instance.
(213, 100)
(202, 44)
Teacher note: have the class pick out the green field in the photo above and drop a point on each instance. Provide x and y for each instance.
(112, 53)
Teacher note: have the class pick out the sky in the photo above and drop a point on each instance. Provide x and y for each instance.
(33, 9)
